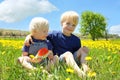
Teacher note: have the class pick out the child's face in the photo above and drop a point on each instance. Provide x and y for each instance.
(41, 34)
(68, 27)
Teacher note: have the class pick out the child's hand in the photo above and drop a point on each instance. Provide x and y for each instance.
(36, 60)
(39, 60)
(28, 40)
(50, 55)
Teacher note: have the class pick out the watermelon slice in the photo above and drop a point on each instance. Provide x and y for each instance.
(42, 52)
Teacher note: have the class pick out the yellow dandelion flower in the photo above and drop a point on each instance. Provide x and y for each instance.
(113, 72)
(88, 58)
(70, 70)
(31, 56)
(108, 57)
(115, 52)
(91, 74)
(3, 52)
(110, 62)
(67, 78)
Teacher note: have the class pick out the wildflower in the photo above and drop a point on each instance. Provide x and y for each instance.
(108, 57)
(114, 52)
(50, 75)
(70, 70)
(91, 74)
(67, 78)
(88, 58)
(113, 72)
(31, 56)
(110, 62)
(3, 52)
(41, 67)
(44, 71)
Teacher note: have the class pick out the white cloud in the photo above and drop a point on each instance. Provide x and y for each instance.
(115, 29)
(16, 10)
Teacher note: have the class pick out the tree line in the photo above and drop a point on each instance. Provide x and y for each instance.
(13, 33)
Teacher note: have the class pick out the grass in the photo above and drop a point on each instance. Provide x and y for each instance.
(105, 63)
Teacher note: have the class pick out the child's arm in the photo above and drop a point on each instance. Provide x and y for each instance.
(24, 53)
(28, 39)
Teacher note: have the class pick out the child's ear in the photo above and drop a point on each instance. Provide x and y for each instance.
(33, 32)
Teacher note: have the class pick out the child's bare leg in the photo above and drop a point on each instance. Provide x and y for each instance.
(71, 62)
(82, 53)
(56, 60)
(24, 60)
(52, 63)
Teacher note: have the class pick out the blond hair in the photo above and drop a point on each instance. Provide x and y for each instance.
(38, 23)
(70, 15)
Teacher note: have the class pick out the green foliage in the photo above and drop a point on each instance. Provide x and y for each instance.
(93, 24)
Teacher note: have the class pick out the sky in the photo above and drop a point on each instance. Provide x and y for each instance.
(17, 14)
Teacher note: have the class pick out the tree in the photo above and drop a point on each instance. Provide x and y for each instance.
(1, 32)
(93, 24)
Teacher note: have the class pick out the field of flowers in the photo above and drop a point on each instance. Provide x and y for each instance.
(103, 59)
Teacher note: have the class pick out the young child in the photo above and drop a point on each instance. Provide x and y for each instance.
(39, 31)
(66, 45)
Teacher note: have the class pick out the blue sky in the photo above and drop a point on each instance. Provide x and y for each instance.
(16, 14)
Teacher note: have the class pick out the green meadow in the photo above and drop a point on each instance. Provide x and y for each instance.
(104, 63)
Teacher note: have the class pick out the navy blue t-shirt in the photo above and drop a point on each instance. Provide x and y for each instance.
(62, 43)
(38, 44)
